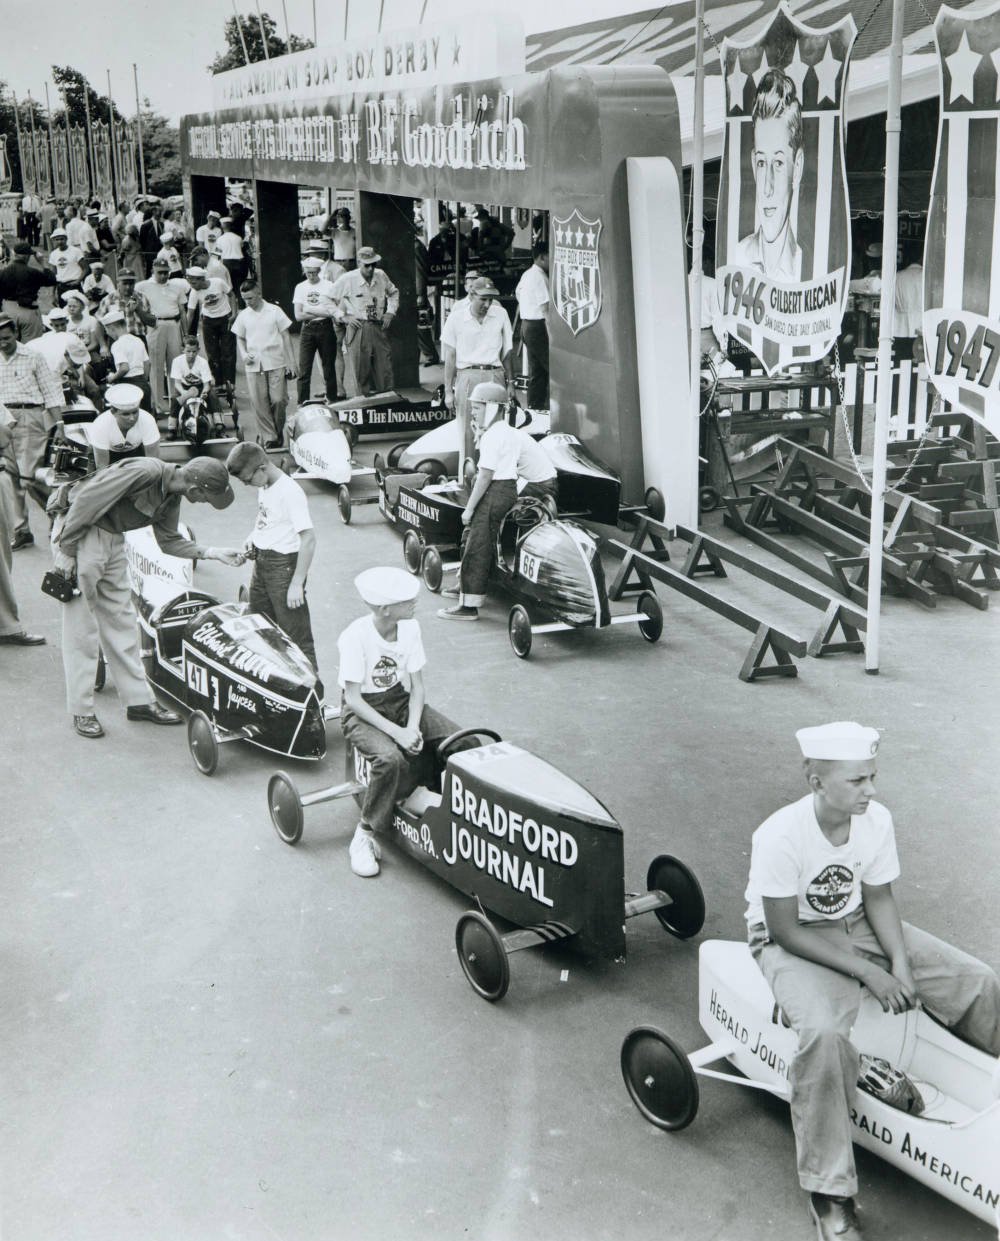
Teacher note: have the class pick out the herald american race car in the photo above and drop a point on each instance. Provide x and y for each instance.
(927, 1102)
(524, 841)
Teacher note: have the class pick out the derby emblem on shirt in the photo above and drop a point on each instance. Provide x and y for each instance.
(213, 301)
(385, 674)
(830, 891)
(312, 299)
(576, 271)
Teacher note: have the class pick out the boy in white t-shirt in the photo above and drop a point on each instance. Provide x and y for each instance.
(384, 714)
(124, 429)
(281, 545)
(129, 357)
(190, 374)
(823, 923)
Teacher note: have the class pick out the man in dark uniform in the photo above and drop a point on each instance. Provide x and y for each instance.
(20, 281)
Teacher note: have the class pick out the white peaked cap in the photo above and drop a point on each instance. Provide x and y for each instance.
(842, 741)
(381, 586)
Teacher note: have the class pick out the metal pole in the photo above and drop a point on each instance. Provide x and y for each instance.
(697, 225)
(90, 142)
(381, 12)
(111, 139)
(138, 125)
(263, 34)
(52, 145)
(239, 31)
(423, 13)
(288, 36)
(883, 404)
(347, 9)
(20, 140)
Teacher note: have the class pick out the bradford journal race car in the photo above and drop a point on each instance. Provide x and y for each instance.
(928, 1103)
(240, 676)
(552, 566)
(526, 843)
(392, 413)
(321, 447)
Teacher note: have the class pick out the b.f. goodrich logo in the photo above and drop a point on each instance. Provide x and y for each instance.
(830, 891)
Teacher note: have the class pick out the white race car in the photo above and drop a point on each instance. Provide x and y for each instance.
(321, 448)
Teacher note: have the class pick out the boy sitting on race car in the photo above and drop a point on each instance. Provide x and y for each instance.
(823, 923)
(506, 454)
(384, 715)
(190, 376)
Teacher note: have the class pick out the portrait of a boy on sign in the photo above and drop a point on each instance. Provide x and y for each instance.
(783, 233)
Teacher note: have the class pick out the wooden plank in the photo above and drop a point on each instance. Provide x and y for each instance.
(849, 476)
(805, 564)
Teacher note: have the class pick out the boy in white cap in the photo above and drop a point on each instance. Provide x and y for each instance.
(314, 307)
(67, 262)
(129, 358)
(125, 429)
(823, 923)
(384, 713)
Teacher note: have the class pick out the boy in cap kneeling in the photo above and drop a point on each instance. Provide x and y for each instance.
(384, 714)
(823, 923)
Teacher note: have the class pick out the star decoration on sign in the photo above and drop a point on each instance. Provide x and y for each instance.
(559, 235)
(962, 65)
(797, 70)
(591, 238)
(764, 68)
(736, 80)
(827, 71)
(579, 238)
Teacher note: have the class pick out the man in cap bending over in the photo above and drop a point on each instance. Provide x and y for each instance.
(384, 714)
(823, 924)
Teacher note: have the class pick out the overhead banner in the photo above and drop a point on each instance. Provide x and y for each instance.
(961, 256)
(43, 163)
(79, 170)
(102, 160)
(29, 169)
(6, 177)
(60, 166)
(783, 236)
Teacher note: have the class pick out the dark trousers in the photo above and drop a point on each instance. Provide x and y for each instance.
(272, 575)
(393, 774)
(237, 269)
(535, 335)
(480, 539)
(220, 349)
(317, 336)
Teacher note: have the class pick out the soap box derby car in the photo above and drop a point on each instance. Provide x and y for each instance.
(392, 413)
(525, 842)
(948, 1141)
(321, 447)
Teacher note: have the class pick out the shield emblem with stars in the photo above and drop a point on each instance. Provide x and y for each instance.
(783, 232)
(961, 320)
(576, 271)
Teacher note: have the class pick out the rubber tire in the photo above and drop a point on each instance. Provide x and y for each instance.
(519, 631)
(350, 434)
(395, 452)
(413, 552)
(431, 569)
(285, 807)
(652, 628)
(446, 746)
(344, 503)
(655, 504)
(708, 499)
(686, 916)
(651, 1059)
(380, 463)
(202, 743)
(433, 468)
(475, 936)
(101, 676)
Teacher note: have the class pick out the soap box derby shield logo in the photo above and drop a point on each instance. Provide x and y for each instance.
(961, 321)
(576, 271)
(783, 234)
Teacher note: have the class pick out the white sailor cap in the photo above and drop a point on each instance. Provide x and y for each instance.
(57, 315)
(196, 271)
(381, 586)
(113, 316)
(844, 741)
(78, 352)
(124, 396)
(312, 264)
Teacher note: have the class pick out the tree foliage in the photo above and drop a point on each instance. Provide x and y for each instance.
(162, 150)
(233, 57)
(72, 88)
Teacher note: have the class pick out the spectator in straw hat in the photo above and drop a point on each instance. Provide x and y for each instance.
(368, 301)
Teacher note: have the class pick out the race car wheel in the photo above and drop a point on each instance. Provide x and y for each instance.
(101, 676)
(659, 1078)
(285, 805)
(433, 468)
(445, 747)
(344, 503)
(649, 606)
(482, 956)
(431, 569)
(469, 473)
(202, 743)
(685, 915)
(380, 463)
(413, 551)
(519, 631)
(349, 434)
(708, 499)
(655, 504)
(395, 452)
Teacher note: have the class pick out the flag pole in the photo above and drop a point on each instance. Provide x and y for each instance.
(883, 403)
(20, 140)
(111, 139)
(263, 35)
(239, 31)
(138, 122)
(92, 174)
(52, 145)
(697, 231)
(288, 36)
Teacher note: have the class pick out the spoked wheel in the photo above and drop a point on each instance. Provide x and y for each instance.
(101, 676)
(685, 915)
(202, 743)
(659, 1078)
(655, 504)
(395, 452)
(482, 956)
(519, 631)
(344, 503)
(285, 805)
(649, 606)
(432, 569)
(413, 551)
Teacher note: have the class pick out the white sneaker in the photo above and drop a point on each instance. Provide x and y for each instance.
(365, 853)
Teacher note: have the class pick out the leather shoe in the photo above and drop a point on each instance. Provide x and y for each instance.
(88, 725)
(22, 639)
(834, 1218)
(153, 713)
(23, 538)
